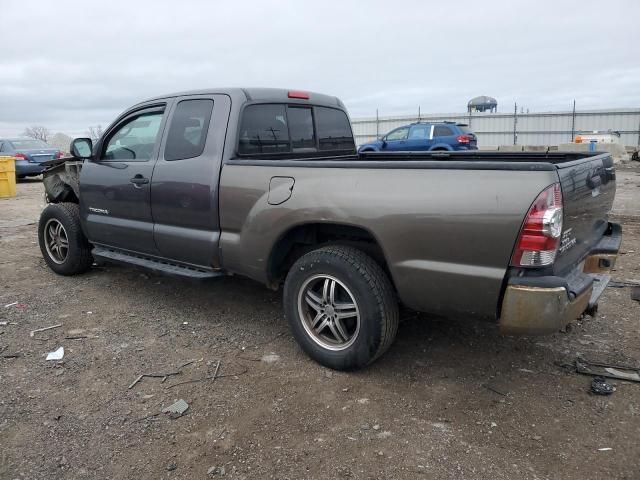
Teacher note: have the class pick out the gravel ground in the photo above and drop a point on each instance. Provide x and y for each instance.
(451, 399)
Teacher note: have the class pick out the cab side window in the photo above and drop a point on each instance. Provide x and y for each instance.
(188, 130)
(134, 140)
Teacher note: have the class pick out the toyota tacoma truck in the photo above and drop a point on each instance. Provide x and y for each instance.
(266, 183)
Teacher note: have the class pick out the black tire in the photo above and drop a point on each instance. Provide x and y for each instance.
(78, 257)
(358, 276)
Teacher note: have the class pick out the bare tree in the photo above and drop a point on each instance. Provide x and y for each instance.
(95, 132)
(37, 132)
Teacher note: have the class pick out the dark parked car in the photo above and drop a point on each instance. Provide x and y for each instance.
(29, 154)
(423, 136)
(266, 183)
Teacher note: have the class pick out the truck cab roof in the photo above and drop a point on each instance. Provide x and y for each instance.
(260, 95)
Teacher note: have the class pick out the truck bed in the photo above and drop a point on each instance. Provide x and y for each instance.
(447, 221)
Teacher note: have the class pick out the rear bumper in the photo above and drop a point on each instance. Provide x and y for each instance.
(542, 305)
(24, 168)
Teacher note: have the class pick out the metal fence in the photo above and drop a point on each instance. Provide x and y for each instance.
(550, 128)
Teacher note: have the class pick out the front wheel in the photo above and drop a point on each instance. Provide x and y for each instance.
(341, 307)
(62, 242)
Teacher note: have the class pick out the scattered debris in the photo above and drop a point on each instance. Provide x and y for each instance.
(77, 337)
(605, 449)
(599, 386)
(215, 373)
(620, 372)
(494, 424)
(210, 377)
(176, 409)
(135, 381)
(3, 323)
(56, 354)
(215, 471)
(363, 401)
(376, 427)
(635, 294)
(33, 332)
(12, 355)
(614, 284)
(10, 304)
(270, 358)
(171, 467)
(153, 375)
(495, 390)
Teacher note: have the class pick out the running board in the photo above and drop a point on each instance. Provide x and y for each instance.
(156, 265)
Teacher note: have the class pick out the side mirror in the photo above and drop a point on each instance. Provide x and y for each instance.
(81, 148)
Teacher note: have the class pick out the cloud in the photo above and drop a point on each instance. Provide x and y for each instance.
(77, 64)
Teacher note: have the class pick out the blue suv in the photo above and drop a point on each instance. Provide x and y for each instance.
(425, 136)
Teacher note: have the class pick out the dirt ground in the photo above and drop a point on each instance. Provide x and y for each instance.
(451, 399)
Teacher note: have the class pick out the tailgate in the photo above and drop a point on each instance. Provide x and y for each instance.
(588, 189)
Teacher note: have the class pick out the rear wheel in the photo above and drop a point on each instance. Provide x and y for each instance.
(341, 307)
(62, 243)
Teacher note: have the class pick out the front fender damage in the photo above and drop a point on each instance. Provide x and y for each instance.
(62, 181)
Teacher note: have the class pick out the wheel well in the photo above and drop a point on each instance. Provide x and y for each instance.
(304, 238)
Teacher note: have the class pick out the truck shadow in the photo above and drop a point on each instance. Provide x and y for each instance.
(425, 345)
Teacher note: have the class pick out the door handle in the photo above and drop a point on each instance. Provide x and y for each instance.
(139, 180)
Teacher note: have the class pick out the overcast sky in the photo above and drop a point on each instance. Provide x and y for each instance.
(68, 65)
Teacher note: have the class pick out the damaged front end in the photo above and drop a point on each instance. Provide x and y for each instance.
(62, 180)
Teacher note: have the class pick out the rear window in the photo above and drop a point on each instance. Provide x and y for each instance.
(264, 130)
(28, 143)
(301, 129)
(275, 128)
(334, 131)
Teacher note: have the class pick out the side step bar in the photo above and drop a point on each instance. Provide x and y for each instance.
(156, 265)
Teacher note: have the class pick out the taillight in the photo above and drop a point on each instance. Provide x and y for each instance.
(20, 156)
(540, 234)
(298, 94)
(58, 155)
(464, 139)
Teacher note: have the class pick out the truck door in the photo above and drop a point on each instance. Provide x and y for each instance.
(184, 187)
(115, 185)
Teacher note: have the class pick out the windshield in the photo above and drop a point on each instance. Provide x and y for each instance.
(28, 143)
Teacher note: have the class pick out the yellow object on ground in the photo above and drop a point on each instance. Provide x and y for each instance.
(7, 177)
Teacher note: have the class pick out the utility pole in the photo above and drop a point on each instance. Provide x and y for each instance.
(515, 122)
(419, 114)
(377, 125)
(573, 122)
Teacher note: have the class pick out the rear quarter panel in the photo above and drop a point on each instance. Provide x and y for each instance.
(447, 235)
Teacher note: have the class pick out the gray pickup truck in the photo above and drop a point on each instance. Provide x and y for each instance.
(266, 183)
